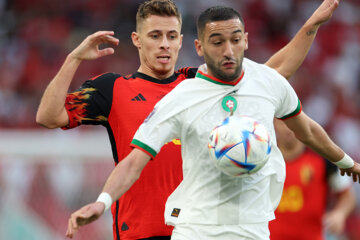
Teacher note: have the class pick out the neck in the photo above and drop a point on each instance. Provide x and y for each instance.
(203, 72)
(233, 79)
(154, 74)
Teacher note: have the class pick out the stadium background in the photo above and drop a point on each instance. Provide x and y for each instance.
(46, 174)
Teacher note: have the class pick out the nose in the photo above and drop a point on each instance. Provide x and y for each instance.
(164, 43)
(228, 51)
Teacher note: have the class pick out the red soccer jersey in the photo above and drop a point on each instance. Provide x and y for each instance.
(121, 103)
(302, 206)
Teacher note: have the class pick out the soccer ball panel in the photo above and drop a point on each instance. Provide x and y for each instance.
(240, 145)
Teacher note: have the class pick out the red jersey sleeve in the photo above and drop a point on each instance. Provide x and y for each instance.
(91, 103)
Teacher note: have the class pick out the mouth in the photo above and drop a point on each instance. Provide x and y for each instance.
(228, 64)
(163, 58)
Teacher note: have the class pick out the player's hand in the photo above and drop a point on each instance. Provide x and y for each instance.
(334, 222)
(89, 48)
(83, 216)
(324, 12)
(354, 172)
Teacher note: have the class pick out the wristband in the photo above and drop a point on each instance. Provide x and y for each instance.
(105, 198)
(345, 162)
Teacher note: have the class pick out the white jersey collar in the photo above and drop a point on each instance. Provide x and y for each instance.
(203, 74)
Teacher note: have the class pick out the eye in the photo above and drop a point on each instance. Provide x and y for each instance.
(173, 36)
(154, 36)
(236, 40)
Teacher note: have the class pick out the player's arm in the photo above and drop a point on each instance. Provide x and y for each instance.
(334, 220)
(314, 136)
(288, 59)
(51, 112)
(120, 180)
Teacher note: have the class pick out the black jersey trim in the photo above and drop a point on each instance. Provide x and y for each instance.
(104, 84)
(117, 220)
(189, 72)
(168, 80)
(112, 142)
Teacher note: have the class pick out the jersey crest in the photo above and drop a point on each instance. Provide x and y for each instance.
(229, 104)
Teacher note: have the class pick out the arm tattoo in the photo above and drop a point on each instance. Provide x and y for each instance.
(310, 32)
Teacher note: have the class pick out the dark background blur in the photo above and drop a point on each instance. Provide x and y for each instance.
(42, 180)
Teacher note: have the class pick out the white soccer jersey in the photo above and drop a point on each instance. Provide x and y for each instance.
(189, 113)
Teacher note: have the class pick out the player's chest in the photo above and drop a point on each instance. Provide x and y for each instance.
(136, 101)
(202, 118)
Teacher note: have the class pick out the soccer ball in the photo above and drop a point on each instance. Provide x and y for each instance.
(239, 145)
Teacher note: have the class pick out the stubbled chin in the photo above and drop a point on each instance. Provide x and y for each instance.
(229, 71)
(164, 69)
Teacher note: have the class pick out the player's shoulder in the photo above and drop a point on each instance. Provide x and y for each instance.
(182, 90)
(108, 80)
(264, 74)
(109, 76)
(187, 72)
(103, 80)
(186, 76)
(259, 67)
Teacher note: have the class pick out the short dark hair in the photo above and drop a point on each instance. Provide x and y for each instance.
(158, 8)
(216, 13)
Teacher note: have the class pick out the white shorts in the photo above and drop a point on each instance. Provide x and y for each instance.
(255, 231)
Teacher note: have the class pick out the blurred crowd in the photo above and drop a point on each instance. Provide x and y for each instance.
(37, 35)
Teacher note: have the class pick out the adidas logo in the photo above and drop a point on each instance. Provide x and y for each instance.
(124, 227)
(139, 97)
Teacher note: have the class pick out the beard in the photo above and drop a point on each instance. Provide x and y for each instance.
(215, 68)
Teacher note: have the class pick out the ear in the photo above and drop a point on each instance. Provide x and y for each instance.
(181, 39)
(198, 47)
(246, 40)
(136, 39)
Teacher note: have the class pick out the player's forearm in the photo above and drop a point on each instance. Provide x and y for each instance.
(51, 112)
(314, 136)
(125, 174)
(318, 140)
(288, 59)
(120, 180)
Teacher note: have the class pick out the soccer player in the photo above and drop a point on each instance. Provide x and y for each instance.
(309, 181)
(121, 102)
(209, 204)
